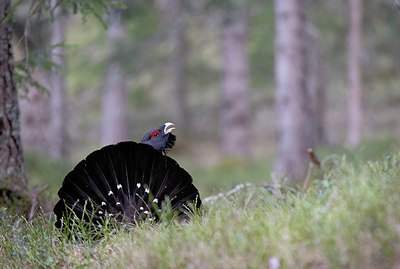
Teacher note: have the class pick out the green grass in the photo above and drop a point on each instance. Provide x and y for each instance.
(230, 173)
(349, 218)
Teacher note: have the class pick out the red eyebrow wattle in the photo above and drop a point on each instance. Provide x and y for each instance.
(153, 133)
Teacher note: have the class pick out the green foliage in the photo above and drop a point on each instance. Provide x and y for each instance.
(146, 20)
(42, 59)
(25, 67)
(96, 8)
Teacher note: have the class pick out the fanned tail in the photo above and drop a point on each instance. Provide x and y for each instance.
(128, 181)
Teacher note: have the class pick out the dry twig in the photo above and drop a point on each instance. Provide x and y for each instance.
(34, 196)
(313, 161)
(308, 176)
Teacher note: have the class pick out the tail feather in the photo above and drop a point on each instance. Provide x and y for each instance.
(127, 179)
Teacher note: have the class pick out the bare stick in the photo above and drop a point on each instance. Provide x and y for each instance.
(314, 161)
(308, 176)
(34, 198)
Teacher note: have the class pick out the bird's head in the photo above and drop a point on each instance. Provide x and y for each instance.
(161, 138)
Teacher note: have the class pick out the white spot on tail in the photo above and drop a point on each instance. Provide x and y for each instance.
(147, 190)
(146, 212)
(110, 192)
(118, 203)
(103, 203)
(100, 212)
(155, 200)
(141, 208)
(138, 185)
(119, 186)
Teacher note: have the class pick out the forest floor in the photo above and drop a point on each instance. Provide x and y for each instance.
(348, 218)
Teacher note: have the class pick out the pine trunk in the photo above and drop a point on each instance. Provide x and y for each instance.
(291, 91)
(235, 112)
(314, 77)
(354, 73)
(114, 123)
(58, 108)
(177, 64)
(11, 159)
(175, 19)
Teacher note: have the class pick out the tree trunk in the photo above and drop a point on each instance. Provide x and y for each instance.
(177, 65)
(58, 109)
(114, 123)
(11, 159)
(354, 73)
(175, 19)
(235, 112)
(314, 74)
(291, 93)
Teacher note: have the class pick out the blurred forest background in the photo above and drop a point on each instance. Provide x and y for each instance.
(212, 68)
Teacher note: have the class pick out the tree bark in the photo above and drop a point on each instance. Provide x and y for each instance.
(11, 159)
(177, 64)
(114, 123)
(235, 112)
(291, 92)
(354, 73)
(314, 79)
(175, 18)
(58, 108)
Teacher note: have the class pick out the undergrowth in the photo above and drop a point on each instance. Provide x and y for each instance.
(349, 218)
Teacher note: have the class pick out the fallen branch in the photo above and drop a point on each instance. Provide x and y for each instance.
(232, 191)
(270, 188)
(313, 161)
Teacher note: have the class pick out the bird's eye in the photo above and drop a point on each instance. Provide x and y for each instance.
(155, 133)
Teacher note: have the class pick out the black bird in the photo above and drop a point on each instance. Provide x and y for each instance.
(128, 181)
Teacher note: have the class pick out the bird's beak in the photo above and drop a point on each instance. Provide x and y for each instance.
(169, 127)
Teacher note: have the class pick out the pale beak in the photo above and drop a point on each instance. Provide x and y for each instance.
(169, 127)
